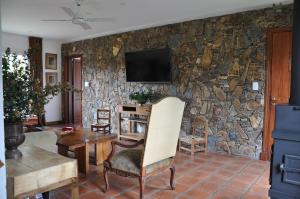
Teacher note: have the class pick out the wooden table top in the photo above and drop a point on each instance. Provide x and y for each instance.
(83, 136)
(33, 159)
(36, 170)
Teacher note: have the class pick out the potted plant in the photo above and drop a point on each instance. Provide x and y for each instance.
(16, 81)
(22, 96)
(142, 97)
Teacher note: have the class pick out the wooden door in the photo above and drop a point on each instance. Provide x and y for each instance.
(72, 111)
(278, 80)
(66, 95)
(77, 115)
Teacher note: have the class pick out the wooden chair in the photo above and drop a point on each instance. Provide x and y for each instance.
(158, 149)
(103, 121)
(197, 141)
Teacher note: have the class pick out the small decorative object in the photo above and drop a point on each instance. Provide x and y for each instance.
(67, 130)
(51, 78)
(142, 97)
(51, 61)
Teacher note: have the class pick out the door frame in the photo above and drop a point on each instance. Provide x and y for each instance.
(2, 144)
(267, 135)
(67, 62)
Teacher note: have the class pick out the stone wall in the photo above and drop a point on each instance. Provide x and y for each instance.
(214, 62)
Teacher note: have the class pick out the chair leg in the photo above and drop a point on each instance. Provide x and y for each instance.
(172, 177)
(105, 179)
(142, 186)
(205, 149)
(192, 149)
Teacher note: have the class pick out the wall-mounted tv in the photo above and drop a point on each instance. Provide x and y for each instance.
(148, 66)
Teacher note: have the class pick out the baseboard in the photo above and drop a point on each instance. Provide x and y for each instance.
(54, 123)
(264, 156)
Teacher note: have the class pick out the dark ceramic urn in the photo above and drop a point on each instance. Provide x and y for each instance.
(14, 137)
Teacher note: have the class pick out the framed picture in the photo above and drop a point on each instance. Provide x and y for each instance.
(51, 78)
(51, 61)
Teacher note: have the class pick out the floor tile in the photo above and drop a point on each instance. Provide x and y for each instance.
(213, 176)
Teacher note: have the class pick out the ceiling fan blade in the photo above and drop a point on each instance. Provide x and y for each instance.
(56, 20)
(69, 11)
(85, 26)
(101, 19)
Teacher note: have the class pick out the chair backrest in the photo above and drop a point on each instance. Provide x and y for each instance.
(103, 114)
(200, 121)
(163, 130)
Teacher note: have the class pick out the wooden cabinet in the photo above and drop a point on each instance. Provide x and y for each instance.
(133, 115)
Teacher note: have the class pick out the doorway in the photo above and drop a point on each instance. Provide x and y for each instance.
(72, 101)
(278, 78)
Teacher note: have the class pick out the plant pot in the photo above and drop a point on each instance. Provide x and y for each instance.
(14, 137)
(142, 102)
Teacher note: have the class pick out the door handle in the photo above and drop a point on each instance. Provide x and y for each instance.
(274, 100)
(1, 164)
(283, 168)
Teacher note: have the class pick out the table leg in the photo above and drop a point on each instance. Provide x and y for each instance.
(46, 195)
(82, 155)
(102, 150)
(62, 150)
(74, 191)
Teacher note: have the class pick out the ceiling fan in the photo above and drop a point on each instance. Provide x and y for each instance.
(78, 19)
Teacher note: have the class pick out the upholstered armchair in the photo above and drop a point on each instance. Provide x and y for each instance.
(156, 152)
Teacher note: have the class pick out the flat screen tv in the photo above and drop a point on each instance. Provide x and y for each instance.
(148, 66)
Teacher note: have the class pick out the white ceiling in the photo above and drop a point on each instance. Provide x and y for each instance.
(23, 16)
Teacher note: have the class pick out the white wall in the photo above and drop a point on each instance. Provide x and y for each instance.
(53, 108)
(19, 44)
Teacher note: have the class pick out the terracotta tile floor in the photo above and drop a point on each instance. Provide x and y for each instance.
(213, 176)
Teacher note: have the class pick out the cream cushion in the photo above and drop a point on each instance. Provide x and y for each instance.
(42, 139)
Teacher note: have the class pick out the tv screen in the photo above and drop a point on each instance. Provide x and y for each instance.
(148, 66)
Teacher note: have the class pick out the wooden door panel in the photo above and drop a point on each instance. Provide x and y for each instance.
(77, 95)
(73, 100)
(280, 74)
(277, 81)
(66, 95)
(280, 69)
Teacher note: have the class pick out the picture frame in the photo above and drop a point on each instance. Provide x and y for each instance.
(51, 78)
(51, 61)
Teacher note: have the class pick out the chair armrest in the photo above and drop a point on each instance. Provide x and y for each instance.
(129, 146)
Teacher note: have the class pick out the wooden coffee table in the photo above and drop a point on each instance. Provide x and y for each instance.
(79, 142)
